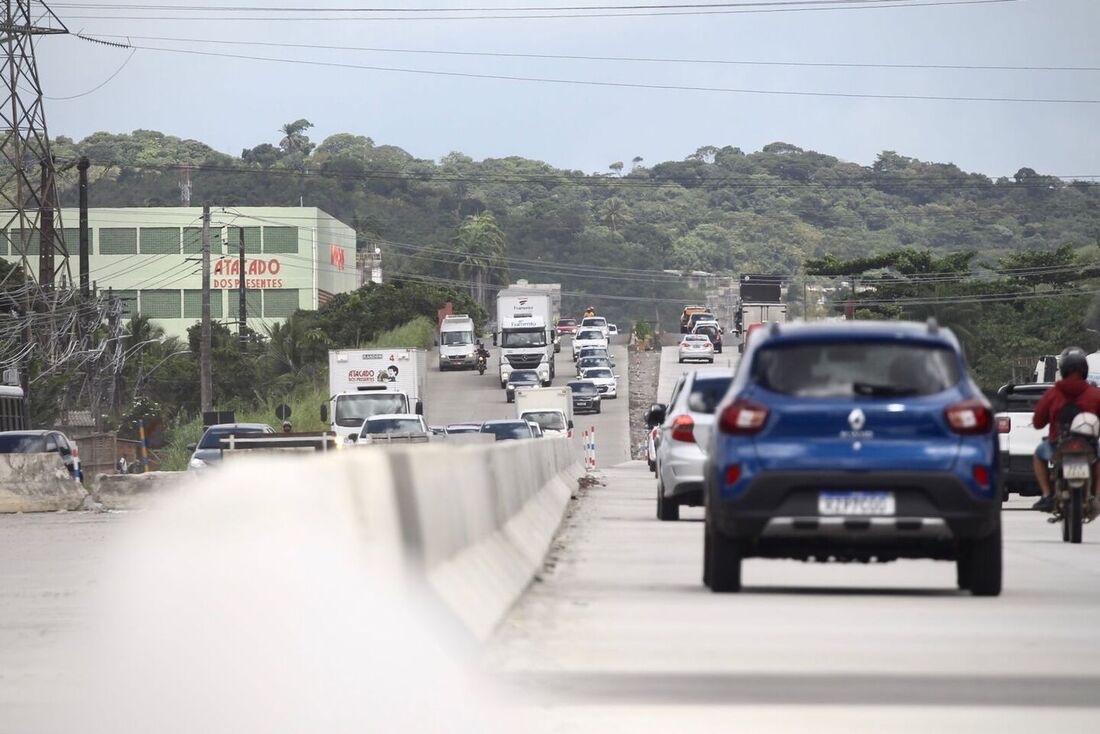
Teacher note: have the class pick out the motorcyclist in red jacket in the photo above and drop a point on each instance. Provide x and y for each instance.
(1072, 388)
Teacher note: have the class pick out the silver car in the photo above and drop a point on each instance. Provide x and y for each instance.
(696, 346)
(684, 428)
(208, 451)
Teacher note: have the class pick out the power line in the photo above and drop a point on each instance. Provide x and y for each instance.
(475, 9)
(630, 59)
(517, 15)
(625, 85)
(99, 86)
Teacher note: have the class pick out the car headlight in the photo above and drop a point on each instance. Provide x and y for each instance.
(197, 463)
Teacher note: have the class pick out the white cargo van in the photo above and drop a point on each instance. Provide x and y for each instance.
(457, 343)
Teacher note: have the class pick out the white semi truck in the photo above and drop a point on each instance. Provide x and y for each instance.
(457, 348)
(550, 407)
(525, 333)
(366, 382)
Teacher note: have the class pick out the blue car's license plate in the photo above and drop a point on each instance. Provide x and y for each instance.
(856, 503)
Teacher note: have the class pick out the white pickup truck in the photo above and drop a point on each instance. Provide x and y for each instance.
(1018, 437)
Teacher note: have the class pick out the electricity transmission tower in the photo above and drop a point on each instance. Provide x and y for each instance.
(29, 210)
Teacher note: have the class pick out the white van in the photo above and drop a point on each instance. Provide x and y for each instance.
(457, 348)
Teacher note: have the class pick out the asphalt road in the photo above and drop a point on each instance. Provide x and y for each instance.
(620, 631)
(466, 396)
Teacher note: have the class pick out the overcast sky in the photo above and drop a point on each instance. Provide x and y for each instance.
(235, 103)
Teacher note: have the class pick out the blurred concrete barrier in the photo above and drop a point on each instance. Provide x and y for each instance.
(480, 518)
(37, 483)
(134, 491)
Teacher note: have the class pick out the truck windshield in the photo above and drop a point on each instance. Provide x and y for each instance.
(352, 410)
(456, 338)
(550, 420)
(513, 339)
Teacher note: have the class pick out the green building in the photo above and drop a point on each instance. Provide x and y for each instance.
(295, 258)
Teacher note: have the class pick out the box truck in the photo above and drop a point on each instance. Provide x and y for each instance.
(550, 407)
(525, 333)
(366, 382)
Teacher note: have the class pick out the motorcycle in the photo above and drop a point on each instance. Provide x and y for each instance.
(1073, 478)
(481, 364)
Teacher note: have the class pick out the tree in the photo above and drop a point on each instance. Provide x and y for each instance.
(617, 168)
(614, 213)
(294, 137)
(637, 161)
(480, 246)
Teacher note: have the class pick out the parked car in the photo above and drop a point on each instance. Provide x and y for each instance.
(1018, 437)
(606, 381)
(208, 451)
(42, 442)
(697, 347)
(683, 430)
(518, 380)
(506, 430)
(854, 441)
(586, 363)
(586, 396)
(711, 330)
(588, 338)
(566, 326)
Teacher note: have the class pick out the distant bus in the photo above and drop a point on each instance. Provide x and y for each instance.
(13, 409)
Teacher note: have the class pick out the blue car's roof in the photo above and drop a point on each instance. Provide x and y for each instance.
(796, 332)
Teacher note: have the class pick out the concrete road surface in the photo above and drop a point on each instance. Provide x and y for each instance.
(457, 397)
(621, 632)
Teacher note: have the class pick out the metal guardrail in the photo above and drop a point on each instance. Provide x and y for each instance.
(321, 442)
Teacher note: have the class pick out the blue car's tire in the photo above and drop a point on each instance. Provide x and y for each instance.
(723, 564)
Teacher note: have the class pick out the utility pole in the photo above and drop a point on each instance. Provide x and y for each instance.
(85, 249)
(206, 401)
(46, 233)
(242, 328)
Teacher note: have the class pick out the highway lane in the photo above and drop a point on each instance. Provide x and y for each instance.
(620, 628)
(465, 396)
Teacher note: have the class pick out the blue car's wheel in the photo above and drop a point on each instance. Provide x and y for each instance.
(723, 564)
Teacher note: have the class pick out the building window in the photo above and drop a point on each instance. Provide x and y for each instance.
(68, 236)
(160, 304)
(280, 240)
(17, 243)
(192, 241)
(117, 241)
(253, 303)
(251, 240)
(129, 302)
(280, 303)
(192, 304)
(159, 241)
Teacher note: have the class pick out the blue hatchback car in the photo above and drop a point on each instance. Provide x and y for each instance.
(853, 441)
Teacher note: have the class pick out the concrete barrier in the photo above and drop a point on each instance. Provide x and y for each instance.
(473, 521)
(37, 483)
(134, 491)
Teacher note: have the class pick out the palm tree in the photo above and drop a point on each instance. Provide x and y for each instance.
(614, 213)
(480, 245)
(289, 348)
(294, 137)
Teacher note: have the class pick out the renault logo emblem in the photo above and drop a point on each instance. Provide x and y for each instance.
(856, 419)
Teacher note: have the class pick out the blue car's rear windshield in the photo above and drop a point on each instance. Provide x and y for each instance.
(856, 369)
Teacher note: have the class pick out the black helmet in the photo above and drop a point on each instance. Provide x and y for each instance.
(1072, 360)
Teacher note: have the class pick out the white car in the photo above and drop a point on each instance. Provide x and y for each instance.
(1018, 437)
(594, 322)
(696, 346)
(612, 330)
(406, 424)
(607, 382)
(588, 338)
